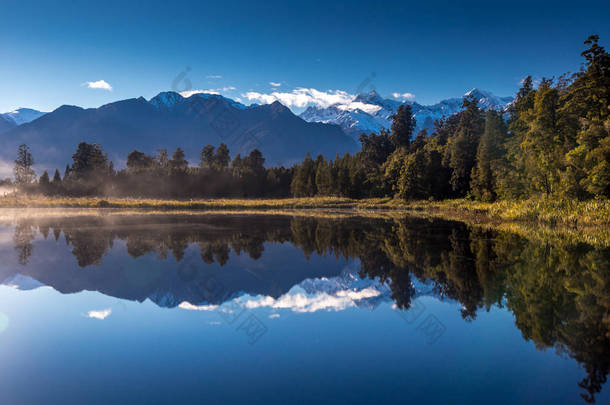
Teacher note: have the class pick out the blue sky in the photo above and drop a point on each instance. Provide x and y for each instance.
(430, 50)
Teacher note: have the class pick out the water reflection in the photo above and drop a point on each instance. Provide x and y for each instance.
(559, 293)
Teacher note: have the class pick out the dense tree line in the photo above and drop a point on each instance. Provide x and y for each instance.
(92, 174)
(552, 140)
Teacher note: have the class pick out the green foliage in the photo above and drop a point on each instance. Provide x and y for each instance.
(207, 157)
(403, 125)
(304, 180)
(137, 161)
(222, 157)
(489, 156)
(24, 174)
(556, 143)
(460, 154)
(178, 164)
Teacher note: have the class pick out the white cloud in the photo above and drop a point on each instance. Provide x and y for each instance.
(302, 97)
(228, 88)
(404, 96)
(191, 307)
(189, 93)
(100, 84)
(214, 77)
(274, 316)
(275, 84)
(103, 314)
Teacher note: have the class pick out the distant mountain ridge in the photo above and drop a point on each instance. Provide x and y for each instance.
(356, 121)
(21, 116)
(170, 120)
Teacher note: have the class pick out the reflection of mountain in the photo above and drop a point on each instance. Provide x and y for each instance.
(559, 293)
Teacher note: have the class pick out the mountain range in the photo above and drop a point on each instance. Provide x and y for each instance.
(371, 113)
(169, 120)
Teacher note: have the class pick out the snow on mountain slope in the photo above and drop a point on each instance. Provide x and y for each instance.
(23, 115)
(21, 282)
(347, 290)
(168, 99)
(355, 121)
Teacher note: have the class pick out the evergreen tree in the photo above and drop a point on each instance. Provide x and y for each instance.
(462, 148)
(89, 160)
(139, 161)
(489, 153)
(162, 159)
(222, 157)
(324, 179)
(588, 100)
(207, 157)
(56, 178)
(24, 174)
(44, 183)
(303, 182)
(178, 163)
(542, 144)
(403, 125)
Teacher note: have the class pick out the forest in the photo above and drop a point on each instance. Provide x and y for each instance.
(553, 141)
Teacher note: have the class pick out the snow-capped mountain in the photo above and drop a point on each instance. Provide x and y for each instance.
(370, 112)
(21, 282)
(23, 115)
(347, 290)
(170, 120)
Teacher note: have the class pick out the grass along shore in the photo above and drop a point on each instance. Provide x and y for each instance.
(542, 211)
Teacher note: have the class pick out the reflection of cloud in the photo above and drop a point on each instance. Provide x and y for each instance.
(3, 322)
(298, 301)
(102, 314)
(191, 307)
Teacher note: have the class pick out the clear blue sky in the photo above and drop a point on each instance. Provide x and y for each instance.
(432, 49)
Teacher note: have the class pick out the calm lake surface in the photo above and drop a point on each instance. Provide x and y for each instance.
(262, 309)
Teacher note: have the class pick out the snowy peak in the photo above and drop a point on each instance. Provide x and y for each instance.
(22, 115)
(487, 99)
(23, 283)
(166, 99)
(372, 97)
(169, 99)
(369, 112)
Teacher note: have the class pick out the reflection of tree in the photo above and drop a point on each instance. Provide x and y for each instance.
(89, 247)
(559, 293)
(560, 296)
(22, 241)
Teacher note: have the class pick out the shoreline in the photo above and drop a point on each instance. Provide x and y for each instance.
(573, 221)
(539, 211)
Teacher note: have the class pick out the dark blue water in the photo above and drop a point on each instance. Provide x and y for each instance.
(279, 309)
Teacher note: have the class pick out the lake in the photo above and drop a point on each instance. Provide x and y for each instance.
(119, 307)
